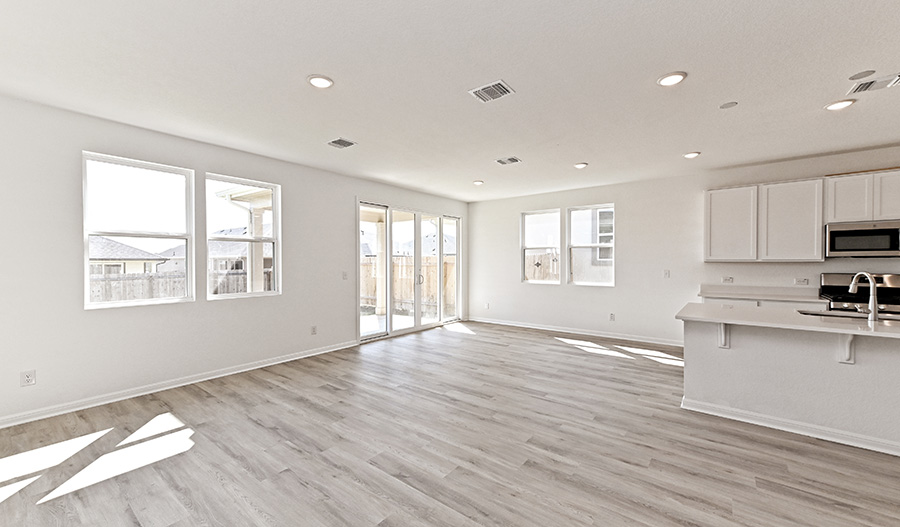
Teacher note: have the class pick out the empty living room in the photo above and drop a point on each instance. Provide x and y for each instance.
(444, 264)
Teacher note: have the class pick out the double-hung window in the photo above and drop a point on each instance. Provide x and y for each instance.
(592, 245)
(540, 247)
(135, 213)
(243, 237)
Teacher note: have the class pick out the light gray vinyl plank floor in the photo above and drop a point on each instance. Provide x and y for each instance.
(503, 426)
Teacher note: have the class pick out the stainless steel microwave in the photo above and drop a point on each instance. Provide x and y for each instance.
(872, 239)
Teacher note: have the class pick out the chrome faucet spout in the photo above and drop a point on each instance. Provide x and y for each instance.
(873, 292)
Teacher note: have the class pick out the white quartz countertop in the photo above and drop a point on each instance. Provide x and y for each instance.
(786, 318)
(750, 292)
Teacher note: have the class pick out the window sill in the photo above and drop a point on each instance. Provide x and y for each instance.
(233, 296)
(593, 284)
(153, 302)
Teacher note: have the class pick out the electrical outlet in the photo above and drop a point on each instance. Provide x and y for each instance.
(667, 273)
(612, 317)
(801, 281)
(487, 305)
(313, 330)
(28, 378)
(345, 275)
(727, 279)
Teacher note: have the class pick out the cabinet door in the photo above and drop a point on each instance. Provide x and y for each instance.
(887, 195)
(790, 221)
(730, 224)
(848, 198)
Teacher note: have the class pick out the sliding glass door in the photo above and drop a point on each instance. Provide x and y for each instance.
(429, 270)
(415, 286)
(403, 268)
(373, 271)
(449, 293)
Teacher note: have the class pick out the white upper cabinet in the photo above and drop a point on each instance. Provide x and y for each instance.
(887, 195)
(730, 225)
(863, 197)
(790, 221)
(848, 198)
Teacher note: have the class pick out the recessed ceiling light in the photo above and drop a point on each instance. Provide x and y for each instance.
(862, 75)
(728, 105)
(320, 81)
(579, 166)
(478, 182)
(840, 105)
(671, 79)
(691, 155)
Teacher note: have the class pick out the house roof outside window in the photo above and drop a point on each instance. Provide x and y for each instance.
(103, 248)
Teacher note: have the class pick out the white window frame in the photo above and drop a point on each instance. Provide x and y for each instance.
(597, 245)
(274, 239)
(187, 236)
(524, 247)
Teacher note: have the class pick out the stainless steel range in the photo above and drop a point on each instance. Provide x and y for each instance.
(835, 288)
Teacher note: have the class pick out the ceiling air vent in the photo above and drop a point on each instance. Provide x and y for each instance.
(877, 84)
(340, 142)
(492, 91)
(509, 160)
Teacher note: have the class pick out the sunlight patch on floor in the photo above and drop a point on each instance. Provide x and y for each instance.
(604, 351)
(45, 457)
(593, 347)
(458, 327)
(9, 490)
(121, 461)
(648, 353)
(671, 362)
(576, 342)
(103, 468)
(161, 423)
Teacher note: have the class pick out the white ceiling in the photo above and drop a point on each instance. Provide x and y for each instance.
(234, 74)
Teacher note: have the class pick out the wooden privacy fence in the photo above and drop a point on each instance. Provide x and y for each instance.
(404, 284)
(226, 282)
(542, 267)
(122, 287)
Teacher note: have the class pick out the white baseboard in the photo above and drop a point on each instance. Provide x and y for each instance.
(581, 331)
(90, 402)
(796, 427)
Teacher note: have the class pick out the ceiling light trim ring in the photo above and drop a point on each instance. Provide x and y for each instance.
(671, 79)
(320, 81)
(840, 105)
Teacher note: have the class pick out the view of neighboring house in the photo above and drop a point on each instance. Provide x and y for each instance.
(429, 245)
(121, 272)
(368, 245)
(107, 256)
(222, 255)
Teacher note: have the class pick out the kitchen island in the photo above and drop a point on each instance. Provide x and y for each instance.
(827, 377)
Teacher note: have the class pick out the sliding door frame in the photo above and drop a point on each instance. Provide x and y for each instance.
(417, 252)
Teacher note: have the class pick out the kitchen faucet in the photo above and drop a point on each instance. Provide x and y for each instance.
(873, 293)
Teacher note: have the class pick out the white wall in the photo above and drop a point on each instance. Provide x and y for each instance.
(659, 226)
(86, 357)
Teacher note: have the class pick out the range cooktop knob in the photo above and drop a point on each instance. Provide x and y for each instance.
(846, 305)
